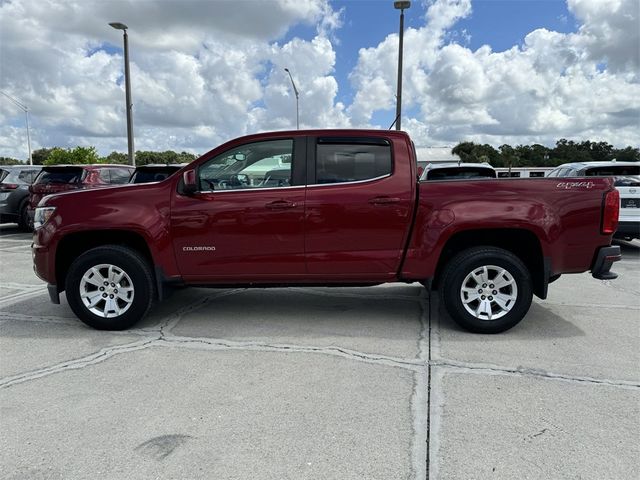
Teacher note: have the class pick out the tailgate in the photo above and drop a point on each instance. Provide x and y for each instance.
(629, 188)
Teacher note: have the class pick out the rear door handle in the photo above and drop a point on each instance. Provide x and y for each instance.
(280, 205)
(384, 200)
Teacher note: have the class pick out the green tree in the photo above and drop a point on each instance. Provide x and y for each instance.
(628, 154)
(186, 157)
(10, 161)
(509, 156)
(486, 153)
(168, 156)
(116, 157)
(40, 156)
(76, 156)
(465, 151)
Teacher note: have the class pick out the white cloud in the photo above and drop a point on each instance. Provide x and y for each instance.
(204, 72)
(580, 85)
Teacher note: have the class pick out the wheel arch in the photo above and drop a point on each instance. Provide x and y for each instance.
(523, 243)
(75, 244)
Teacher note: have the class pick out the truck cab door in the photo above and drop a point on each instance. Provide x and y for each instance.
(246, 221)
(360, 198)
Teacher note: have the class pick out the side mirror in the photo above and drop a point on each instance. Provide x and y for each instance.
(190, 182)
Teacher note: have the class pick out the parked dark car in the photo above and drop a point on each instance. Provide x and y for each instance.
(154, 172)
(14, 193)
(626, 176)
(457, 171)
(62, 178)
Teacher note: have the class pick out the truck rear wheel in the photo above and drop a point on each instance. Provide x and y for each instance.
(486, 289)
(110, 287)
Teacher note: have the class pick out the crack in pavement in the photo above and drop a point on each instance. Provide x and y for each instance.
(204, 343)
(486, 369)
(420, 396)
(428, 348)
(589, 305)
(429, 368)
(78, 363)
(18, 297)
(20, 286)
(21, 317)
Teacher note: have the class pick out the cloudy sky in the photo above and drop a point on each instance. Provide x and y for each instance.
(496, 71)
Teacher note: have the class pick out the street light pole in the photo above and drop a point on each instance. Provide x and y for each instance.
(400, 5)
(127, 80)
(25, 109)
(295, 90)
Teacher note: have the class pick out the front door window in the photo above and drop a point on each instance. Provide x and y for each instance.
(254, 165)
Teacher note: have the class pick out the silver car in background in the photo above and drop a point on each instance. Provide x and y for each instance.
(627, 182)
(14, 193)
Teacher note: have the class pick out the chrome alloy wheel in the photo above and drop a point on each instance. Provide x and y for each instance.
(106, 290)
(489, 292)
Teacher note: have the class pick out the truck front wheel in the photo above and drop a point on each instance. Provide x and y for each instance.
(110, 287)
(486, 289)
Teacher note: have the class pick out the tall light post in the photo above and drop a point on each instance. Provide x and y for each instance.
(400, 5)
(127, 80)
(25, 109)
(295, 90)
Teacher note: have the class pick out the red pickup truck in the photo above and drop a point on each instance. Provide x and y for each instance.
(323, 207)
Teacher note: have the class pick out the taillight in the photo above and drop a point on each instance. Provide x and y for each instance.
(610, 212)
(8, 186)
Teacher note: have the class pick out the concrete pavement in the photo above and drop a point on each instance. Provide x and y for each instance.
(320, 383)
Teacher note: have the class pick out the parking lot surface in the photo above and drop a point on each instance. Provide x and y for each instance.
(320, 383)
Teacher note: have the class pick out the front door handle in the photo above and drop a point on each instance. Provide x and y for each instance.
(280, 205)
(384, 200)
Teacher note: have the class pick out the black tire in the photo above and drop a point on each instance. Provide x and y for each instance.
(24, 221)
(459, 270)
(140, 278)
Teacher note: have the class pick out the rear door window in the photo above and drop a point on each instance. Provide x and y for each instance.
(339, 161)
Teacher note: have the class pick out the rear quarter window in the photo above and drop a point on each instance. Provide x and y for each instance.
(613, 171)
(71, 175)
(151, 175)
(456, 173)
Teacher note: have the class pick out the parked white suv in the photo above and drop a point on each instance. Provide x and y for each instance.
(627, 181)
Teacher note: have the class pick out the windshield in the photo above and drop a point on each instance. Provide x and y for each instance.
(67, 175)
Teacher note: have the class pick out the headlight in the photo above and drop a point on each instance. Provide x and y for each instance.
(42, 215)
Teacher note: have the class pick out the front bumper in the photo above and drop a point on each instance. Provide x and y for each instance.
(604, 260)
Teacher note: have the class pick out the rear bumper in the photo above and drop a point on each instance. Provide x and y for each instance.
(604, 260)
(628, 229)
